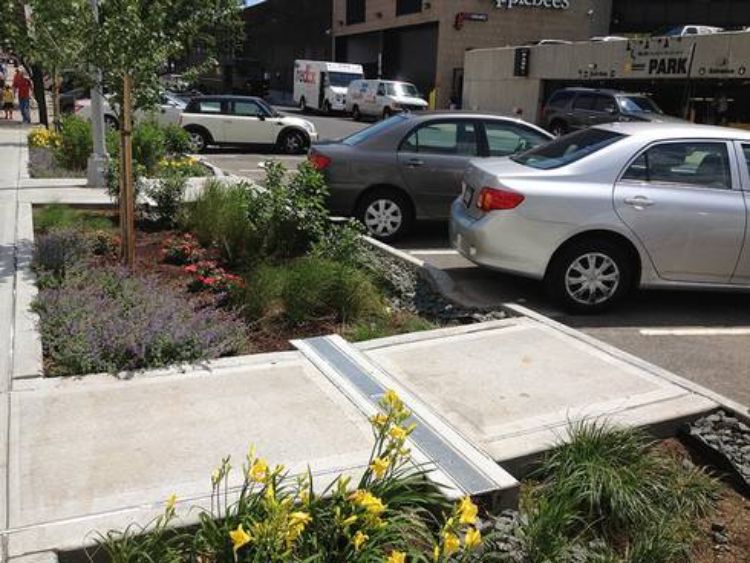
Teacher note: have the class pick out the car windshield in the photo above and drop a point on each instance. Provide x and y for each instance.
(638, 104)
(343, 79)
(175, 101)
(374, 130)
(568, 149)
(401, 89)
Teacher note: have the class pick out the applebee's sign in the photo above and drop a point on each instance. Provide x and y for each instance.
(546, 4)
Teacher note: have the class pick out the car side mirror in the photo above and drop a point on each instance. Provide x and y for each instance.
(261, 117)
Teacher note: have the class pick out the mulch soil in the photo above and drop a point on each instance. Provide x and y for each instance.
(724, 535)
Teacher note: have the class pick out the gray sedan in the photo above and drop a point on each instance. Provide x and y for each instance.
(410, 166)
(618, 206)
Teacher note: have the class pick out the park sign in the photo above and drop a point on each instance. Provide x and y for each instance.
(544, 4)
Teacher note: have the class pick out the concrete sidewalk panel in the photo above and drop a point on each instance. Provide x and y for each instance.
(80, 450)
(504, 388)
(27, 342)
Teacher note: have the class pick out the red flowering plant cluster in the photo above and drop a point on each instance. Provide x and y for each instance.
(209, 276)
(183, 249)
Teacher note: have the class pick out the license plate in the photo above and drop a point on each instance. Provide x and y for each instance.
(468, 195)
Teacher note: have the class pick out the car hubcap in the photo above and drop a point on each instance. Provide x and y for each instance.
(196, 142)
(383, 217)
(592, 279)
(293, 143)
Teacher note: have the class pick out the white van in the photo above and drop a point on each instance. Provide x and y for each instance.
(382, 98)
(321, 85)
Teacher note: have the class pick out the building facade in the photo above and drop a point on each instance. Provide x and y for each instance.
(425, 41)
(277, 32)
(639, 16)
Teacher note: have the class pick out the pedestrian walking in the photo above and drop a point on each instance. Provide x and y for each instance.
(2, 76)
(8, 100)
(22, 87)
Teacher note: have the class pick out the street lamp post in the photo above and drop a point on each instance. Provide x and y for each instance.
(97, 164)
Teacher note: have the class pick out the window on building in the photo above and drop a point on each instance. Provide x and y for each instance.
(404, 7)
(355, 11)
(685, 164)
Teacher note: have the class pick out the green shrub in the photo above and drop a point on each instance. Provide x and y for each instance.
(317, 288)
(167, 193)
(342, 243)
(112, 140)
(176, 140)
(149, 145)
(380, 326)
(75, 143)
(219, 218)
(261, 295)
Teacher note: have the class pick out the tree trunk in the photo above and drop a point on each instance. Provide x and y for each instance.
(56, 101)
(39, 95)
(127, 195)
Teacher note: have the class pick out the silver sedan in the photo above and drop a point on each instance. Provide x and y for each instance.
(617, 206)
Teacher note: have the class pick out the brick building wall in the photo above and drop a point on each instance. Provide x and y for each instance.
(515, 26)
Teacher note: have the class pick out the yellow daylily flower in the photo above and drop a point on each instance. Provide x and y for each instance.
(397, 433)
(451, 543)
(379, 420)
(297, 518)
(436, 554)
(171, 502)
(372, 504)
(380, 466)
(349, 521)
(467, 511)
(393, 401)
(215, 477)
(359, 539)
(258, 470)
(473, 538)
(239, 538)
(396, 557)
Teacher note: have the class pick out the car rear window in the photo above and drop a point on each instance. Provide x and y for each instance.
(372, 131)
(568, 149)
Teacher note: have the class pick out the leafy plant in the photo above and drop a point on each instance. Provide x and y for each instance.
(208, 275)
(41, 137)
(176, 139)
(167, 193)
(60, 251)
(75, 144)
(108, 320)
(149, 145)
(181, 165)
(219, 218)
(342, 243)
(183, 249)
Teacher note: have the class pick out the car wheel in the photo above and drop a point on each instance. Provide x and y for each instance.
(387, 112)
(199, 140)
(589, 276)
(111, 123)
(293, 142)
(559, 128)
(386, 214)
(356, 115)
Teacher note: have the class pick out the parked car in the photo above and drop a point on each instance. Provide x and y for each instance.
(570, 109)
(166, 113)
(607, 38)
(617, 206)
(682, 30)
(382, 98)
(244, 120)
(410, 166)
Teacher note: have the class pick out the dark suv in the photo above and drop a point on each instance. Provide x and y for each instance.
(577, 108)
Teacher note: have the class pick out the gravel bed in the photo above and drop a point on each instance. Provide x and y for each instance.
(411, 292)
(728, 436)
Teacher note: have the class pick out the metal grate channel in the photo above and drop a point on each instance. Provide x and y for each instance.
(465, 474)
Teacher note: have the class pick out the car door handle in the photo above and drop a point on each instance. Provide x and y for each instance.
(414, 162)
(638, 201)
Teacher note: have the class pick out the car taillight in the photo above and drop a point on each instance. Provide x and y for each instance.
(492, 199)
(319, 161)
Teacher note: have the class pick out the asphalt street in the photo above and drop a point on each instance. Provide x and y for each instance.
(702, 336)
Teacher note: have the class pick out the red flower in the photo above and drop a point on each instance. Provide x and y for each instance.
(209, 281)
(191, 269)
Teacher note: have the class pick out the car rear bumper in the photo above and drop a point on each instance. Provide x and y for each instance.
(342, 198)
(502, 241)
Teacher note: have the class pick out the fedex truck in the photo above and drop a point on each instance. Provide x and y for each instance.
(322, 85)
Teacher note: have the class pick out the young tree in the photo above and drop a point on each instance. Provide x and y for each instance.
(132, 44)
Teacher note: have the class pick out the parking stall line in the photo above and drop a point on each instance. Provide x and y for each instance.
(698, 331)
